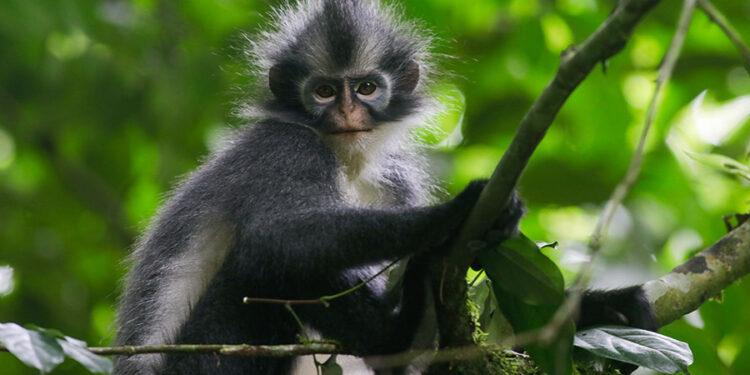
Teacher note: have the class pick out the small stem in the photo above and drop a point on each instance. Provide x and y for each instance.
(570, 306)
(634, 169)
(337, 295)
(322, 300)
(270, 351)
(299, 322)
(723, 23)
(249, 300)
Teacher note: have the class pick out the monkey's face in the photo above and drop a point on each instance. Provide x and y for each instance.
(348, 105)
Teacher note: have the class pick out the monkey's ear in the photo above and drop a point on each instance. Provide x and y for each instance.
(410, 76)
(277, 82)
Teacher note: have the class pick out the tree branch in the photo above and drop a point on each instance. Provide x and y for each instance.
(456, 328)
(703, 276)
(683, 290)
(721, 21)
(570, 307)
(265, 351)
(576, 64)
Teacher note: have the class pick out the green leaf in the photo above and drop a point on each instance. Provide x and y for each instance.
(78, 351)
(722, 163)
(490, 320)
(330, 367)
(396, 276)
(636, 346)
(529, 288)
(36, 349)
(479, 294)
(520, 269)
(524, 317)
(48, 331)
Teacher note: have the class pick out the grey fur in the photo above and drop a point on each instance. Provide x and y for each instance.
(288, 210)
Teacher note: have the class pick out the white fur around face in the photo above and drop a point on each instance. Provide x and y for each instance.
(368, 163)
(184, 282)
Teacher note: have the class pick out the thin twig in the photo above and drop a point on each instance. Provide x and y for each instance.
(718, 18)
(631, 176)
(322, 300)
(249, 300)
(275, 351)
(570, 306)
(360, 285)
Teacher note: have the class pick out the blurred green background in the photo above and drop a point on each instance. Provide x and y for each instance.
(104, 104)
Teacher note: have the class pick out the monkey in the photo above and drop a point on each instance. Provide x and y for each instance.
(309, 200)
(323, 187)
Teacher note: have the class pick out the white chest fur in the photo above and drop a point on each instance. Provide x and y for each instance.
(360, 191)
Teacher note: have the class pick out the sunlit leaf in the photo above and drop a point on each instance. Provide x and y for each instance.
(480, 295)
(715, 124)
(722, 163)
(636, 346)
(35, 349)
(77, 350)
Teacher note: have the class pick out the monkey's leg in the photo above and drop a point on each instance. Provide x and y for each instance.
(369, 324)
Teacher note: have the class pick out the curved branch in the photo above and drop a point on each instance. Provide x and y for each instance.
(576, 64)
(703, 276)
(455, 326)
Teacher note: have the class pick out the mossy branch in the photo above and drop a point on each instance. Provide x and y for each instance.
(704, 276)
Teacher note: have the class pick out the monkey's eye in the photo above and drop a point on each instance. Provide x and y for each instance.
(366, 88)
(325, 93)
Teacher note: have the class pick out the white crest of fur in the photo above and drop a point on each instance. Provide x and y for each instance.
(291, 19)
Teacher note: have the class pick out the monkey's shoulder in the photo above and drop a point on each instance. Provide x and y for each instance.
(265, 168)
(280, 145)
(262, 164)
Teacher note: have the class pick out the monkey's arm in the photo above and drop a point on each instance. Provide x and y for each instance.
(342, 237)
(626, 306)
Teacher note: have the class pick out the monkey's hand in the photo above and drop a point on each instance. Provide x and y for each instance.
(506, 224)
(453, 213)
(627, 306)
(459, 207)
(503, 228)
